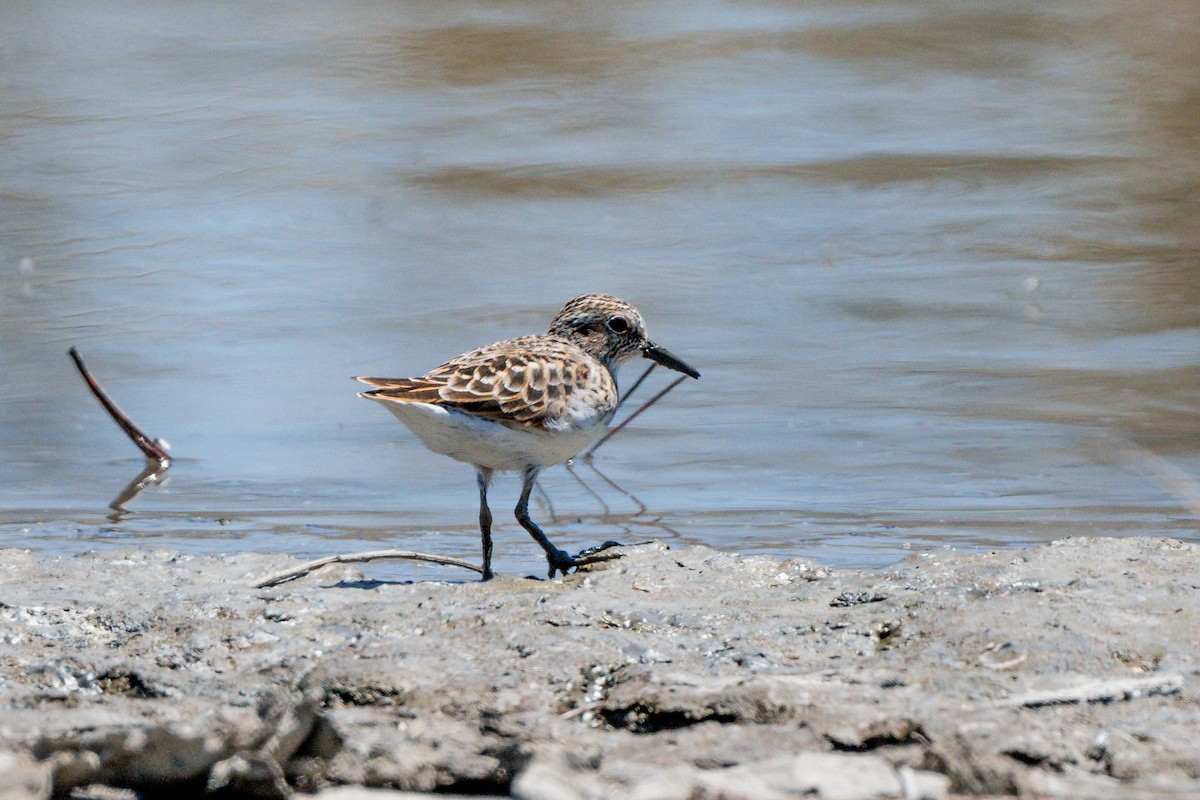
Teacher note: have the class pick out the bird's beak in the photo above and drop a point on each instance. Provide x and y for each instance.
(661, 356)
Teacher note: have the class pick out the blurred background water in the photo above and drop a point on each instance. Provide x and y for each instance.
(937, 260)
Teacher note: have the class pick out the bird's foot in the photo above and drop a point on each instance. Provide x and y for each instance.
(487, 575)
(600, 548)
(559, 561)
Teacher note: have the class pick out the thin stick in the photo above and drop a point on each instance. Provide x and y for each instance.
(358, 558)
(405, 555)
(1098, 691)
(544, 496)
(152, 449)
(587, 456)
(609, 551)
(635, 386)
(633, 416)
(578, 711)
(641, 506)
(571, 469)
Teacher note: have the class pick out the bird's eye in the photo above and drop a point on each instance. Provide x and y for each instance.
(618, 325)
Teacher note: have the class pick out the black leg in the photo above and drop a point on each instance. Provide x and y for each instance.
(558, 560)
(484, 477)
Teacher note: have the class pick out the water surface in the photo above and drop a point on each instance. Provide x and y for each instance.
(938, 263)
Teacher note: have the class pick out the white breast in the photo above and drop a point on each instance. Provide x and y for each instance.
(490, 444)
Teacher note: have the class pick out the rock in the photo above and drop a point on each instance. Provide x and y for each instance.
(72, 768)
(363, 793)
(22, 778)
(821, 776)
(248, 775)
(555, 776)
(100, 791)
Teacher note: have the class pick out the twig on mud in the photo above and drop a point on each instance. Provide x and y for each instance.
(358, 558)
(153, 449)
(579, 711)
(1098, 692)
(587, 455)
(609, 551)
(404, 555)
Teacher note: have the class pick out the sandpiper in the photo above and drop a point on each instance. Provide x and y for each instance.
(526, 403)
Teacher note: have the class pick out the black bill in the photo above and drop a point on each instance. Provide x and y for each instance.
(661, 356)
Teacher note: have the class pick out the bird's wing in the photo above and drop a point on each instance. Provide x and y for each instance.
(519, 382)
(402, 390)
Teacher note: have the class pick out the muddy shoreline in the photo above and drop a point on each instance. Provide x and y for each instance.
(1068, 670)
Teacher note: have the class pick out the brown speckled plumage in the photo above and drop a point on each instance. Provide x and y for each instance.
(526, 403)
(528, 381)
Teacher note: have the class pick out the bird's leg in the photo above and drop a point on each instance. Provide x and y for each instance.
(559, 560)
(484, 477)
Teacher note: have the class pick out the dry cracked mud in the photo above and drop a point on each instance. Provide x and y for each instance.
(1068, 670)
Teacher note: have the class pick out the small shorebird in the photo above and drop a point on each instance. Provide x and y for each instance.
(527, 403)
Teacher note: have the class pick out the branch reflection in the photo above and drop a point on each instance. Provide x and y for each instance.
(153, 473)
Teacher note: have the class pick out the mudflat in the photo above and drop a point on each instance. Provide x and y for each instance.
(1068, 670)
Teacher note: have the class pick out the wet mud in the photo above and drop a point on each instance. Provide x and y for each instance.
(1068, 670)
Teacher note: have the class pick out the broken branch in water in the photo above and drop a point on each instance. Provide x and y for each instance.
(587, 455)
(588, 557)
(153, 449)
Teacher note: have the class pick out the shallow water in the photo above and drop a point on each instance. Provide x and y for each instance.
(938, 263)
